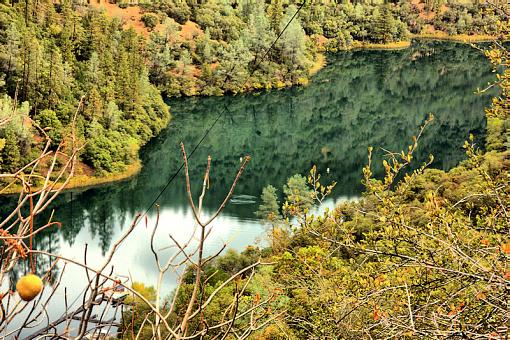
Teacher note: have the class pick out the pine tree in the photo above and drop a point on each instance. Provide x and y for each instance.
(204, 47)
(112, 116)
(11, 49)
(269, 208)
(10, 154)
(232, 71)
(186, 61)
(293, 41)
(48, 120)
(297, 192)
(94, 106)
(67, 39)
(385, 25)
(247, 7)
(258, 34)
(58, 82)
(275, 13)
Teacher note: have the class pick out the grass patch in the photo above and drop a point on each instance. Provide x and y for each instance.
(84, 181)
(464, 38)
(397, 45)
(318, 64)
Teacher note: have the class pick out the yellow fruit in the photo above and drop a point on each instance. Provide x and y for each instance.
(29, 286)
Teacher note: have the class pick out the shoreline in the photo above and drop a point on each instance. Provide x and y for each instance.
(460, 38)
(86, 182)
(392, 46)
(319, 64)
(404, 44)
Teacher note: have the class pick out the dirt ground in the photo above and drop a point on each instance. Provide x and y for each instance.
(130, 16)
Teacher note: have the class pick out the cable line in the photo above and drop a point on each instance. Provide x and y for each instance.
(172, 178)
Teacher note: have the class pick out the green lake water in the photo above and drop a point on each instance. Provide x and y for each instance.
(361, 98)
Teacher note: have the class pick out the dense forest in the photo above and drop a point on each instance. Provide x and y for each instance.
(423, 252)
(53, 55)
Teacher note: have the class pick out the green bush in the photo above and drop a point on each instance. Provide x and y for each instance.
(150, 20)
(48, 120)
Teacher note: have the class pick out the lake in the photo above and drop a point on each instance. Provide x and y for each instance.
(361, 98)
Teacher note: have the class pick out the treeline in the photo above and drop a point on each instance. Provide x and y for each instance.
(228, 52)
(53, 54)
(50, 57)
(233, 36)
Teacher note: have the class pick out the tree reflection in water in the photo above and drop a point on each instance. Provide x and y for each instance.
(361, 98)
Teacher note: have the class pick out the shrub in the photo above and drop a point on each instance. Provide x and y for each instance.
(150, 20)
(48, 120)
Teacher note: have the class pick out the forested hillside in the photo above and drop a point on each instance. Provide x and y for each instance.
(416, 248)
(232, 37)
(52, 54)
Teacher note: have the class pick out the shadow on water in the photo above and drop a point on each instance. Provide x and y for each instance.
(361, 98)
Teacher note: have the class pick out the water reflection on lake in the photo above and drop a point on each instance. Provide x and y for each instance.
(361, 98)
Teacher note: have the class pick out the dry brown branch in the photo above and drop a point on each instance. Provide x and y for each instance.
(93, 313)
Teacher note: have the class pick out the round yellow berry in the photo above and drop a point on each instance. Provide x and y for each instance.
(29, 286)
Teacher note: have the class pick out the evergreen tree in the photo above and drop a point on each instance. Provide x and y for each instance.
(10, 159)
(112, 116)
(48, 120)
(204, 47)
(248, 7)
(270, 206)
(297, 192)
(58, 82)
(385, 27)
(258, 35)
(293, 41)
(68, 37)
(94, 105)
(10, 50)
(275, 12)
(232, 71)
